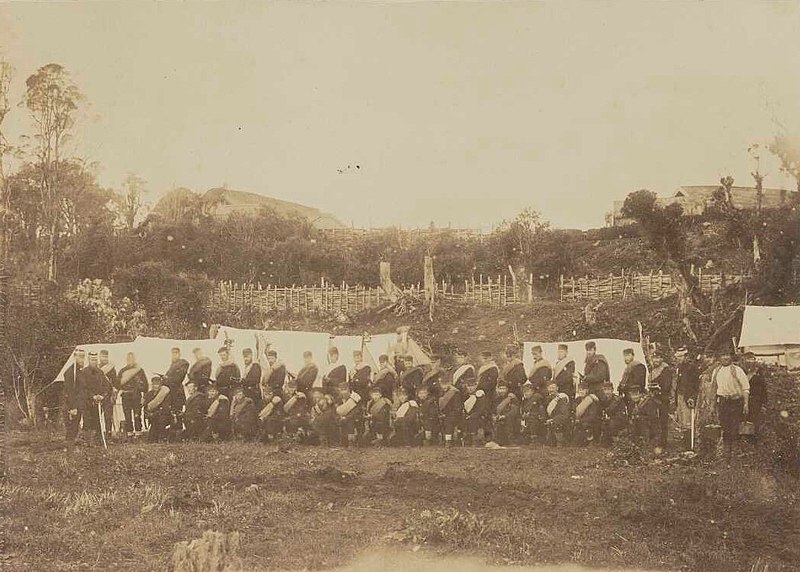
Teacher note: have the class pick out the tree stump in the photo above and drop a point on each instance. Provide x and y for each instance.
(213, 552)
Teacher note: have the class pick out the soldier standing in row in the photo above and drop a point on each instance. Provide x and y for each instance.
(361, 376)
(132, 383)
(595, 369)
(541, 372)
(513, 372)
(661, 375)
(687, 385)
(307, 375)
(251, 382)
(73, 406)
(110, 372)
(94, 390)
(228, 374)
(463, 373)
(386, 378)
(635, 375)
(200, 370)
(176, 374)
(336, 373)
(564, 372)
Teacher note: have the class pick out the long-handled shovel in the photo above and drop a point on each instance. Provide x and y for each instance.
(102, 424)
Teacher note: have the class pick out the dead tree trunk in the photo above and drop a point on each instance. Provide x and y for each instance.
(430, 286)
(392, 292)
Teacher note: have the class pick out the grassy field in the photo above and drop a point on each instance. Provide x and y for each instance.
(307, 507)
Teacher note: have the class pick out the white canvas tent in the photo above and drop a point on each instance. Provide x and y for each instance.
(772, 333)
(386, 344)
(610, 348)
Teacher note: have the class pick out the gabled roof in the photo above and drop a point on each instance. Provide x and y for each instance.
(743, 197)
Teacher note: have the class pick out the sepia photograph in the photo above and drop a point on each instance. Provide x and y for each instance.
(389, 286)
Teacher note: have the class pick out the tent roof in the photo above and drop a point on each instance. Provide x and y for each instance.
(770, 326)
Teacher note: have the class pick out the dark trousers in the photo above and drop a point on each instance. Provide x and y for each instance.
(132, 409)
(586, 432)
(611, 428)
(91, 419)
(754, 414)
(71, 425)
(730, 416)
(158, 427)
(194, 427)
(221, 428)
(557, 435)
(451, 424)
(108, 412)
(663, 419)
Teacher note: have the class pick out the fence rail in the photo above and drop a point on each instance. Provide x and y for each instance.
(652, 285)
(231, 297)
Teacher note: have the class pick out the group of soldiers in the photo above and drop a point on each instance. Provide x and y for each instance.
(402, 403)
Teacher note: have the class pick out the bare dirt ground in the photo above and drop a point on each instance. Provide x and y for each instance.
(317, 508)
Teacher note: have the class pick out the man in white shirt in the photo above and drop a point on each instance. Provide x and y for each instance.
(733, 396)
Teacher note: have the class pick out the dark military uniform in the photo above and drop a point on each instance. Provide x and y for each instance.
(411, 380)
(596, 373)
(588, 420)
(534, 415)
(541, 375)
(194, 417)
(218, 419)
(614, 419)
(429, 416)
(73, 400)
(379, 417)
(564, 376)
(451, 408)
(337, 374)
(200, 373)
(306, 377)
(296, 415)
(271, 419)
(361, 380)
(488, 375)
(385, 379)
(406, 424)
(131, 383)
(93, 382)
(476, 416)
(158, 414)
(244, 418)
(251, 383)
(227, 377)
(514, 375)
(506, 419)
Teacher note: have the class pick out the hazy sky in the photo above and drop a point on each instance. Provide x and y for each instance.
(456, 112)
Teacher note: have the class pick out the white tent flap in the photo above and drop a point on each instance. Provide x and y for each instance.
(770, 326)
